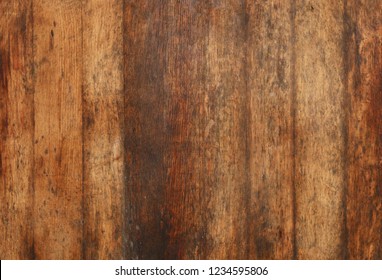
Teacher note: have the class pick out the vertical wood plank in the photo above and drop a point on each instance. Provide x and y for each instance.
(58, 130)
(271, 147)
(163, 49)
(144, 102)
(186, 143)
(177, 132)
(16, 130)
(363, 66)
(185, 124)
(320, 148)
(103, 125)
(227, 104)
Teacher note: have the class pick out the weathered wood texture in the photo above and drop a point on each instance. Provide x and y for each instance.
(190, 129)
(103, 170)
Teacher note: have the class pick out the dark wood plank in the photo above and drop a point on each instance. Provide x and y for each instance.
(185, 135)
(16, 130)
(103, 129)
(185, 144)
(144, 102)
(58, 129)
(363, 66)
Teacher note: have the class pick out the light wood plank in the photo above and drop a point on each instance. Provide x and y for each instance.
(103, 130)
(319, 130)
(58, 130)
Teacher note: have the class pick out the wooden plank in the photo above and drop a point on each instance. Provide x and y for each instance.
(58, 130)
(319, 130)
(145, 100)
(270, 86)
(185, 195)
(16, 131)
(185, 154)
(228, 197)
(103, 129)
(363, 67)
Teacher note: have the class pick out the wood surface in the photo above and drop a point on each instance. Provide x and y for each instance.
(190, 129)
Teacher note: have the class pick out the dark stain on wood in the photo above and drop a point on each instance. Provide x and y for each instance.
(4, 69)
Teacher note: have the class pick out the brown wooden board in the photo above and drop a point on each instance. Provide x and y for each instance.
(190, 129)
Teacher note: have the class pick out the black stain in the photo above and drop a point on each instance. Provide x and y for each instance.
(51, 40)
(4, 69)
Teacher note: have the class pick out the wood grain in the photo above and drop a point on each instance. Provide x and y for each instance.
(190, 129)
(16, 131)
(271, 93)
(363, 66)
(57, 37)
(103, 126)
(319, 130)
(144, 102)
